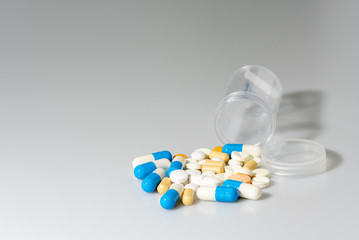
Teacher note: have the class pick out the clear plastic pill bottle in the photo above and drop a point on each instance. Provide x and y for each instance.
(247, 113)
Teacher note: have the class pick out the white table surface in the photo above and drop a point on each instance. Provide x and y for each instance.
(87, 86)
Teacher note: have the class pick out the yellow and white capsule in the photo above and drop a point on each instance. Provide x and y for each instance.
(188, 194)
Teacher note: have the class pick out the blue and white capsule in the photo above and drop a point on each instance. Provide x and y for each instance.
(172, 196)
(178, 163)
(245, 190)
(143, 170)
(150, 183)
(151, 158)
(219, 194)
(250, 149)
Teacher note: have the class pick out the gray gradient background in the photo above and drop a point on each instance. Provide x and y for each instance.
(85, 86)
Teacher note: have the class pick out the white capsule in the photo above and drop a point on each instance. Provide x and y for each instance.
(261, 182)
(249, 191)
(261, 172)
(178, 187)
(206, 193)
(201, 180)
(163, 163)
(179, 176)
(204, 150)
(245, 190)
(209, 173)
(198, 155)
(193, 172)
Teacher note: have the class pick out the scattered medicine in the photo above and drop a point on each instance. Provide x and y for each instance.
(223, 174)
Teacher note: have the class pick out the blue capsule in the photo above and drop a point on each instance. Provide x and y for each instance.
(229, 148)
(177, 163)
(143, 170)
(150, 182)
(172, 196)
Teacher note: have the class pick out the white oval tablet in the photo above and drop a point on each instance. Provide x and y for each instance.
(261, 172)
(198, 155)
(261, 182)
(244, 171)
(179, 176)
(193, 172)
(204, 150)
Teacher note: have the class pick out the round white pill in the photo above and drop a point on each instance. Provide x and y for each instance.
(244, 171)
(209, 173)
(261, 172)
(191, 160)
(198, 155)
(261, 182)
(204, 150)
(179, 176)
(193, 166)
(193, 172)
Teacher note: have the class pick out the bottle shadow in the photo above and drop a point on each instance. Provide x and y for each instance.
(299, 115)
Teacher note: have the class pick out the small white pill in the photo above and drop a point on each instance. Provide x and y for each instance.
(198, 155)
(209, 173)
(261, 172)
(179, 176)
(261, 182)
(193, 166)
(217, 159)
(235, 162)
(204, 150)
(191, 160)
(244, 171)
(241, 156)
(201, 180)
(193, 172)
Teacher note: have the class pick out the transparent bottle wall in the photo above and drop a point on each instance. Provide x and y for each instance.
(247, 113)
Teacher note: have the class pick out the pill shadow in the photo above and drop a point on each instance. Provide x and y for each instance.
(299, 115)
(334, 159)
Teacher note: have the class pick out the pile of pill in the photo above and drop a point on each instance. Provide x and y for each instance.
(223, 174)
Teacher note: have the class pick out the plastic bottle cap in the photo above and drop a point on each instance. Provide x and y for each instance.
(294, 157)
